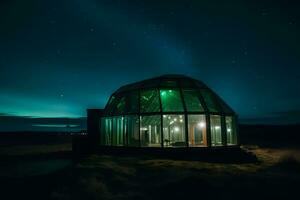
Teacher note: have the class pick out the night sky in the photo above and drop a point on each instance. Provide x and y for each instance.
(59, 57)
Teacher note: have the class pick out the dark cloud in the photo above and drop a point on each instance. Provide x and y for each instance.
(24, 123)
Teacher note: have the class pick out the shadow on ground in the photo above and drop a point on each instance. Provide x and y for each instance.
(109, 176)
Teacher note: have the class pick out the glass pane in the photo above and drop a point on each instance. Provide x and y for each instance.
(132, 103)
(174, 130)
(150, 131)
(197, 130)
(107, 131)
(132, 130)
(171, 100)
(110, 101)
(210, 100)
(215, 129)
(111, 105)
(192, 102)
(150, 101)
(230, 131)
(199, 84)
(118, 133)
(225, 107)
(120, 106)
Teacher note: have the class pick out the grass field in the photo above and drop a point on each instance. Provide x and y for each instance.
(47, 171)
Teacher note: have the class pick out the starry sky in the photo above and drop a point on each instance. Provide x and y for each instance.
(59, 57)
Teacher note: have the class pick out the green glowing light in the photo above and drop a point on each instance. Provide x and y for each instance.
(56, 125)
(163, 93)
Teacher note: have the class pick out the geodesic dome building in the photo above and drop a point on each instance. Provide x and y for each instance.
(168, 111)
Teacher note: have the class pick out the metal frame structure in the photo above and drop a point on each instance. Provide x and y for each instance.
(157, 86)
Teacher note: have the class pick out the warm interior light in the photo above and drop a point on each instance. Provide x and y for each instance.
(201, 124)
(176, 129)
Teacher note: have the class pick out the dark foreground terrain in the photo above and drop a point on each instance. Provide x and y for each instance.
(43, 168)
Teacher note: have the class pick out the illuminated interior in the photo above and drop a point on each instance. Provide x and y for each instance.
(168, 111)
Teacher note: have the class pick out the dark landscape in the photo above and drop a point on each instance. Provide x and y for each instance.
(149, 99)
(42, 166)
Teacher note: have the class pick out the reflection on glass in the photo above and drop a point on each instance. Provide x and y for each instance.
(171, 100)
(120, 107)
(174, 130)
(230, 131)
(132, 130)
(106, 124)
(118, 133)
(150, 130)
(111, 105)
(197, 130)
(192, 101)
(210, 100)
(132, 102)
(215, 129)
(149, 101)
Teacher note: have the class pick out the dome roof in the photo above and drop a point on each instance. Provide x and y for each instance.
(166, 94)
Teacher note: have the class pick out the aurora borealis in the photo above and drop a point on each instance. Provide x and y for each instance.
(60, 57)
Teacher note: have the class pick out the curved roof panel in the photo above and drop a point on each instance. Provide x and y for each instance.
(166, 94)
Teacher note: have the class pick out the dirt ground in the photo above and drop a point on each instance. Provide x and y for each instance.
(48, 172)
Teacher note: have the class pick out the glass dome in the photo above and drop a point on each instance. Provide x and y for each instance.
(167, 111)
